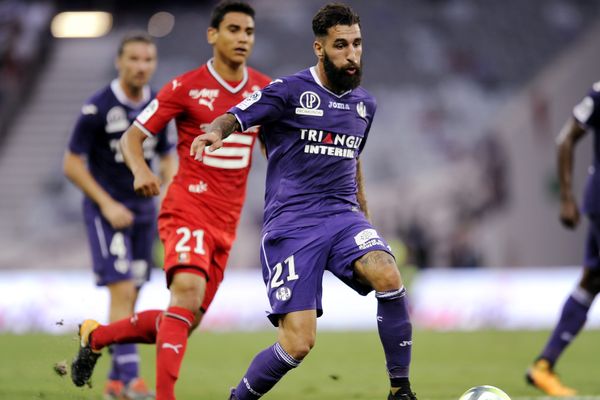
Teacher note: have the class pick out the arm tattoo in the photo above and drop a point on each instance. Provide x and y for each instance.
(375, 259)
(226, 124)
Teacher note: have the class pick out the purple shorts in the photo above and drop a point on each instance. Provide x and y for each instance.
(119, 255)
(592, 244)
(294, 259)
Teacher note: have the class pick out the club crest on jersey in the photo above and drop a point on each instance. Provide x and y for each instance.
(283, 293)
(361, 109)
(205, 97)
(310, 103)
(116, 120)
(183, 258)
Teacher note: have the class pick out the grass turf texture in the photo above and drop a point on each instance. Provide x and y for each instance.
(343, 365)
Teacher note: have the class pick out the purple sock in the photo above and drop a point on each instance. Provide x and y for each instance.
(395, 332)
(572, 319)
(126, 361)
(113, 374)
(267, 368)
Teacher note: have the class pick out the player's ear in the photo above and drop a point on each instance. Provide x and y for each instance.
(318, 49)
(211, 35)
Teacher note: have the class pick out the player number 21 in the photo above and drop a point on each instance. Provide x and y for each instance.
(291, 267)
(186, 235)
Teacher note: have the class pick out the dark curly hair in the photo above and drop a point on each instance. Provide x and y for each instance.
(333, 14)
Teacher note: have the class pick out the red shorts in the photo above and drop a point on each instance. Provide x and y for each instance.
(196, 247)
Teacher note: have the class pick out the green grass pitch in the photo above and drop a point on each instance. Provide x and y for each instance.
(343, 365)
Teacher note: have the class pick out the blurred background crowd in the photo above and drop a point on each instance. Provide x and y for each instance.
(460, 163)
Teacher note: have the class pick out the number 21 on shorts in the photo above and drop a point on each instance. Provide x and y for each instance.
(288, 264)
(190, 241)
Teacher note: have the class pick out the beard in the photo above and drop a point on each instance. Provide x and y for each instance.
(339, 79)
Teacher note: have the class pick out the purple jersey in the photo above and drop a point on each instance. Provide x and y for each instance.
(587, 113)
(313, 138)
(103, 120)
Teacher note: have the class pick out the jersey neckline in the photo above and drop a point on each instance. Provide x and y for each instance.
(223, 82)
(115, 87)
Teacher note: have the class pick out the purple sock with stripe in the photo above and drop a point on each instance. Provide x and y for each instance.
(265, 370)
(572, 319)
(127, 360)
(395, 332)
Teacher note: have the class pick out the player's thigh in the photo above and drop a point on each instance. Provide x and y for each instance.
(356, 237)
(223, 242)
(293, 262)
(110, 249)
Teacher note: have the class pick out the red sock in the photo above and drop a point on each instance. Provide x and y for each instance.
(171, 343)
(141, 328)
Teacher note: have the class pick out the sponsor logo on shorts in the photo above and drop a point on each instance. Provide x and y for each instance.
(368, 238)
(283, 293)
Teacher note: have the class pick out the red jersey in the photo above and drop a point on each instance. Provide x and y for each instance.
(214, 188)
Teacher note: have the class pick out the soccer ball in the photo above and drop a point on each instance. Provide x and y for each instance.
(485, 392)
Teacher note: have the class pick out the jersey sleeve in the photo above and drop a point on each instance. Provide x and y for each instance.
(157, 114)
(370, 116)
(587, 112)
(262, 106)
(82, 137)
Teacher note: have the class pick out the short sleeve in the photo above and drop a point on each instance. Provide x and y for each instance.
(262, 106)
(370, 116)
(162, 109)
(82, 137)
(587, 111)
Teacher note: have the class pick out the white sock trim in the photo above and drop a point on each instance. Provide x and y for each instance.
(284, 356)
(391, 294)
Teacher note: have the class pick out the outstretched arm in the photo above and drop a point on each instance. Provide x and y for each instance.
(145, 182)
(360, 194)
(219, 129)
(571, 132)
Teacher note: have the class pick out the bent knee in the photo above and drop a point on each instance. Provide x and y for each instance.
(188, 293)
(300, 348)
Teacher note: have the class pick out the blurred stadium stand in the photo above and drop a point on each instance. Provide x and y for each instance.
(440, 162)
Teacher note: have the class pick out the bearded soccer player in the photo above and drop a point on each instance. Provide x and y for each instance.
(201, 210)
(585, 118)
(121, 226)
(315, 125)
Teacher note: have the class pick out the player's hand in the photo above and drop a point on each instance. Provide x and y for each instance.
(146, 184)
(211, 138)
(117, 215)
(569, 212)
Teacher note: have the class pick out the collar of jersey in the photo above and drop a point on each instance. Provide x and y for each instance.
(116, 88)
(223, 82)
(313, 72)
